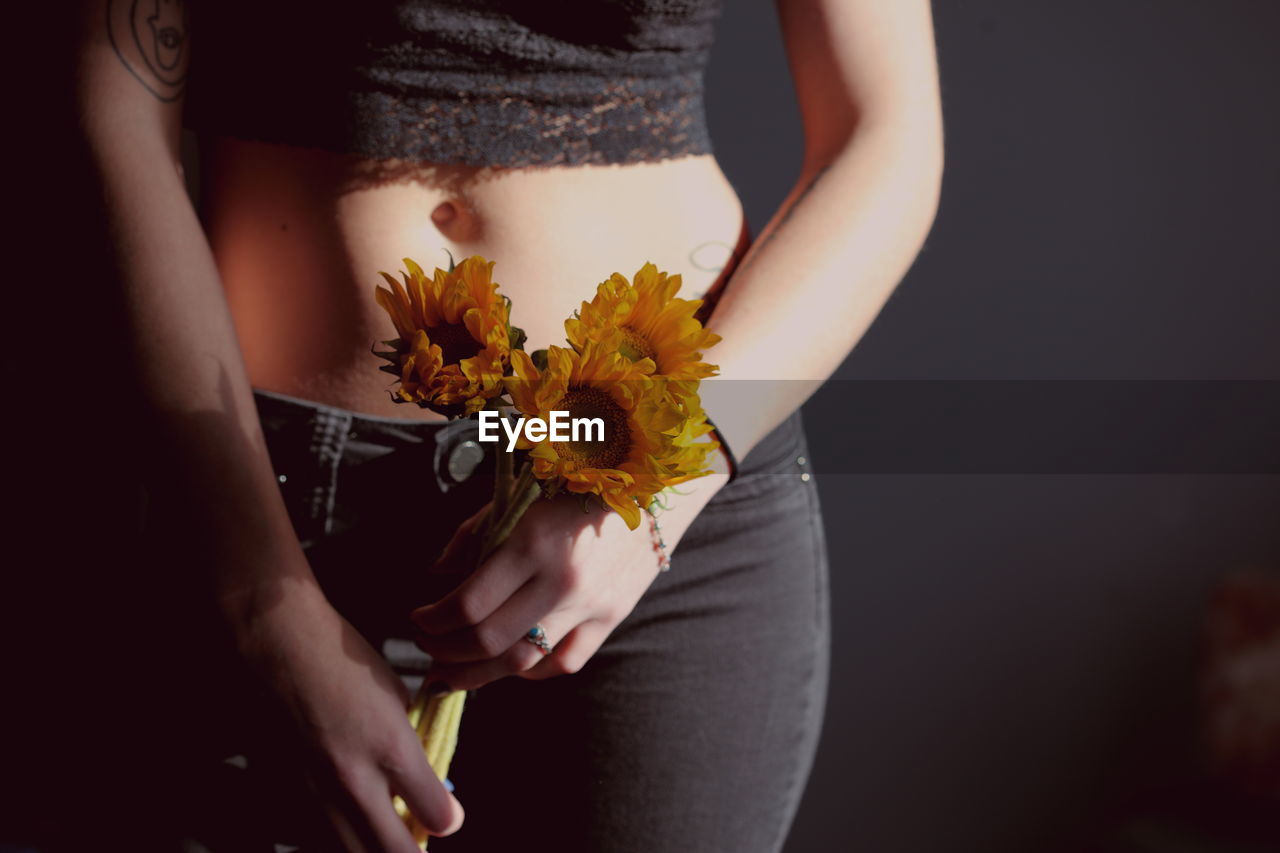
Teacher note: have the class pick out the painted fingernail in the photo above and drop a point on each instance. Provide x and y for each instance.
(448, 785)
(438, 688)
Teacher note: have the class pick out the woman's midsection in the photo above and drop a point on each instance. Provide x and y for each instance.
(300, 237)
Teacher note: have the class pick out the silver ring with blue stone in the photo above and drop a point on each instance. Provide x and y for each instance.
(538, 636)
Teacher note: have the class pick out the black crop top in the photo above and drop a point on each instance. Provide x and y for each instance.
(479, 82)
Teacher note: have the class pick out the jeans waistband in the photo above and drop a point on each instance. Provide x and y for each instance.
(313, 446)
(274, 401)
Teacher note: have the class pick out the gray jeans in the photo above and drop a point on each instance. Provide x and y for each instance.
(692, 728)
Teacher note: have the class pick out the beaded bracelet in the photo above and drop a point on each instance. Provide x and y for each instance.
(655, 534)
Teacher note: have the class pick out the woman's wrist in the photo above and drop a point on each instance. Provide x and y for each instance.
(262, 618)
(680, 507)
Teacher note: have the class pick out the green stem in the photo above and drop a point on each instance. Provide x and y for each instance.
(525, 492)
(510, 500)
(504, 476)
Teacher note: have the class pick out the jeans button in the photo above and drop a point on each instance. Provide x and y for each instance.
(465, 457)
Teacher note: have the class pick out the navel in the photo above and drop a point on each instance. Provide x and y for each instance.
(444, 215)
(454, 219)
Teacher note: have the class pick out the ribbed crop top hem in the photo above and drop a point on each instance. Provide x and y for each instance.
(630, 122)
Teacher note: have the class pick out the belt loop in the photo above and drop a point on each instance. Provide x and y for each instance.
(328, 442)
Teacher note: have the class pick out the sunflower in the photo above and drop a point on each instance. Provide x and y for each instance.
(644, 320)
(687, 450)
(455, 336)
(649, 435)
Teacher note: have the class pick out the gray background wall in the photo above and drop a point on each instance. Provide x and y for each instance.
(1015, 654)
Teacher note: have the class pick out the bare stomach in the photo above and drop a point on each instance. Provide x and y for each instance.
(300, 236)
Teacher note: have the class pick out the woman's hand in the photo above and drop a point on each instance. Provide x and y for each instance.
(576, 573)
(348, 710)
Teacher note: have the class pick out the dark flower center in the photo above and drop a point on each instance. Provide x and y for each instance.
(455, 342)
(590, 402)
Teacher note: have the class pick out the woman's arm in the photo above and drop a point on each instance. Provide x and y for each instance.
(208, 457)
(824, 265)
(821, 269)
(866, 79)
(803, 295)
(183, 355)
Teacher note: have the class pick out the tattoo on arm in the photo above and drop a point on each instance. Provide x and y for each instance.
(150, 39)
